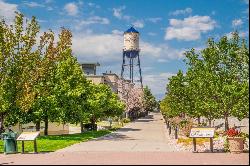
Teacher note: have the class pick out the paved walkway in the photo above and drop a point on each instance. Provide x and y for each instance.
(145, 134)
(144, 142)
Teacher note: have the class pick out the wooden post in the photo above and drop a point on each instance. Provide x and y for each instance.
(22, 146)
(175, 133)
(35, 146)
(211, 145)
(194, 143)
(169, 130)
(167, 124)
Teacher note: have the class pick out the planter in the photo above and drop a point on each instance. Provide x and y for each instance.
(236, 144)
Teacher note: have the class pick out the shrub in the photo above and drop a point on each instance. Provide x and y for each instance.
(126, 120)
(185, 126)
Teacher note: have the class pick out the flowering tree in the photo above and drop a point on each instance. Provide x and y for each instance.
(133, 98)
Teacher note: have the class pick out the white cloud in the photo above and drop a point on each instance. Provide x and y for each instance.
(237, 22)
(162, 60)
(93, 5)
(154, 19)
(184, 11)
(242, 34)
(7, 11)
(117, 32)
(138, 24)
(71, 9)
(50, 8)
(117, 12)
(100, 47)
(39, 20)
(107, 48)
(48, 1)
(33, 4)
(160, 51)
(151, 34)
(94, 20)
(190, 28)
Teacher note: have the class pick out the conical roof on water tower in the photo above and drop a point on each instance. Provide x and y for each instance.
(131, 30)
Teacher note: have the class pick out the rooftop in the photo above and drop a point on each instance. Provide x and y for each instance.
(131, 29)
(91, 63)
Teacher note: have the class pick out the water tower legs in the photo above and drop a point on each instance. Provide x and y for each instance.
(131, 63)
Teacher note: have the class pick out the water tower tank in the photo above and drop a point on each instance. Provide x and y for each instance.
(131, 42)
(131, 57)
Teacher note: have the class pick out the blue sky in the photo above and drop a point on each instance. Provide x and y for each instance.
(167, 28)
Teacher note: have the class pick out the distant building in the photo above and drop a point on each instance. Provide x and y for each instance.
(110, 78)
(90, 68)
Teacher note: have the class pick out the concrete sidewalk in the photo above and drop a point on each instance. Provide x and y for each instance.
(142, 142)
(145, 134)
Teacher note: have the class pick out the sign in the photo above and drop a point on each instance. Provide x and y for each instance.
(28, 136)
(202, 132)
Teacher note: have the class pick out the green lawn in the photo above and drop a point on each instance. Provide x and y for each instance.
(52, 143)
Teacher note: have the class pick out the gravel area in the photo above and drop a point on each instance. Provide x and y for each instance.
(218, 144)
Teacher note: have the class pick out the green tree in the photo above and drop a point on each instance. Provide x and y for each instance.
(17, 59)
(149, 101)
(102, 102)
(216, 83)
(71, 90)
(201, 86)
(232, 71)
(61, 88)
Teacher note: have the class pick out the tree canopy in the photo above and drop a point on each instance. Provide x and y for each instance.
(215, 85)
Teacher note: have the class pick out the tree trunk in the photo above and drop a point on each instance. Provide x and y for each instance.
(46, 121)
(169, 130)
(199, 120)
(176, 133)
(1, 123)
(167, 124)
(209, 122)
(82, 128)
(226, 122)
(38, 126)
(93, 123)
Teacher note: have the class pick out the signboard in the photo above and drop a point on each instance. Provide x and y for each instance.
(202, 132)
(28, 136)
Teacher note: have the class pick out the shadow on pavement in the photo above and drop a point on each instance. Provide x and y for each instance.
(125, 129)
(7, 163)
(115, 137)
(144, 120)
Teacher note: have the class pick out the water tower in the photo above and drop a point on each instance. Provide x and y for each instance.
(131, 59)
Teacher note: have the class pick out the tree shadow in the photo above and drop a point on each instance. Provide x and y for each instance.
(6, 163)
(75, 137)
(115, 137)
(148, 117)
(209, 151)
(126, 129)
(144, 120)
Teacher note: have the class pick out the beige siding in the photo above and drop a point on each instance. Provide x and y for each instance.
(96, 79)
(54, 128)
